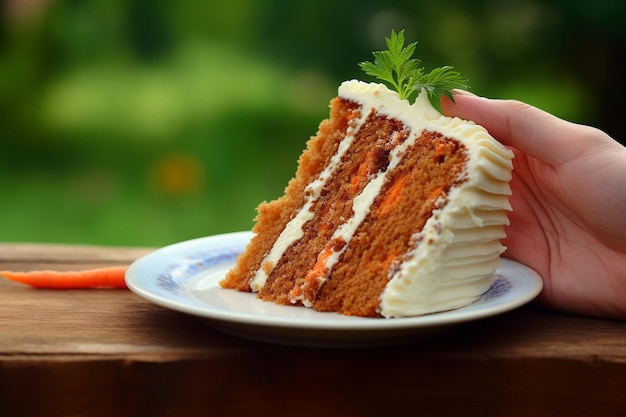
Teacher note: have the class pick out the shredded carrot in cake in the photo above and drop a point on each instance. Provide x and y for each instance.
(435, 193)
(295, 294)
(320, 269)
(387, 263)
(363, 169)
(312, 281)
(392, 195)
(316, 277)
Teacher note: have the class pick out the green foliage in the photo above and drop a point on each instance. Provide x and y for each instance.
(395, 65)
(404, 73)
(441, 81)
(132, 122)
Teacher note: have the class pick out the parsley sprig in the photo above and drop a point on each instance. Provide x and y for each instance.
(396, 67)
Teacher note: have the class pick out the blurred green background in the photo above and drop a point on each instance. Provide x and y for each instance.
(146, 122)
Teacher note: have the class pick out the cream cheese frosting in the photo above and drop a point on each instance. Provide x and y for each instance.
(456, 253)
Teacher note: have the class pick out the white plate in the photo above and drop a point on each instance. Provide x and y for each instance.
(184, 277)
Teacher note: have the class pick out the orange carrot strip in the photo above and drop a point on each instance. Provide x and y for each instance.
(435, 193)
(387, 263)
(108, 277)
(363, 168)
(392, 194)
(320, 269)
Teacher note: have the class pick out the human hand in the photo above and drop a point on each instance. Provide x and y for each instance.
(569, 203)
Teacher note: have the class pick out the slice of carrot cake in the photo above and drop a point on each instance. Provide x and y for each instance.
(395, 210)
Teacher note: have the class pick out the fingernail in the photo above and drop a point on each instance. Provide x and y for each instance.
(463, 93)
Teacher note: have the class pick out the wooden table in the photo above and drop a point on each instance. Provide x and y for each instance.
(111, 353)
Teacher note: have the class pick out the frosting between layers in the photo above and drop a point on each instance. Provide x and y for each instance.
(458, 250)
(294, 229)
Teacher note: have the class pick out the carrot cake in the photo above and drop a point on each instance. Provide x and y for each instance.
(395, 210)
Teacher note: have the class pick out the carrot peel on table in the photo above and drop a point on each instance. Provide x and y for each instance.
(107, 277)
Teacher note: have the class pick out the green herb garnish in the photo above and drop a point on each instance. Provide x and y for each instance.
(396, 67)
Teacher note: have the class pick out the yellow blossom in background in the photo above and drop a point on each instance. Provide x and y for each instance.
(177, 174)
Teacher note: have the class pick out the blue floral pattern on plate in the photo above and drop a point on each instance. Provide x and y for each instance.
(500, 287)
(175, 274)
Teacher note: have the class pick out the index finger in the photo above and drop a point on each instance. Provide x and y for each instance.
(522, 126)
